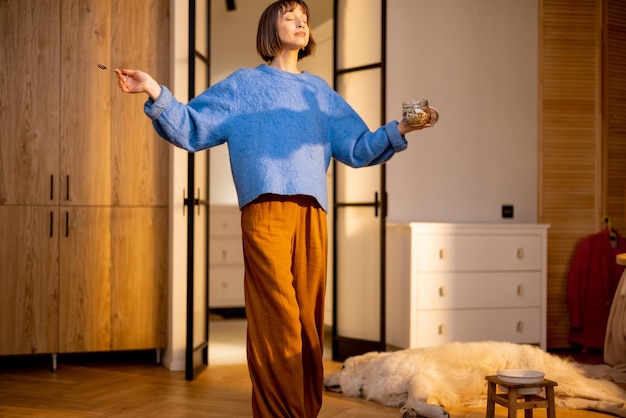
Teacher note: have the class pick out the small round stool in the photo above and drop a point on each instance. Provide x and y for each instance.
(513, 400)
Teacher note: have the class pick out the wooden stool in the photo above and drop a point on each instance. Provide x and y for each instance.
(528, 402)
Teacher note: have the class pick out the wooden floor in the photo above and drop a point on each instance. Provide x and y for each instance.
(133, 386)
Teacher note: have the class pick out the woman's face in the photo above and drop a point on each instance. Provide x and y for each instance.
(293, 29)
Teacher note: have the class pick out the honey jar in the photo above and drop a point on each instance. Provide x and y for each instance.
(416, 113)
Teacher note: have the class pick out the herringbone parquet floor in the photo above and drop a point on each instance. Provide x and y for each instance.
(135, 388)
(132, 386)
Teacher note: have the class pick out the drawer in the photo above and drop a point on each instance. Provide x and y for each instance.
(477, 290)
(224, 221)
(225, 251)
(442, 326)
(226, 287)
(476, 252)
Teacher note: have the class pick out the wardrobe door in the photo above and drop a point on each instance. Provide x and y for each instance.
(29, 285)
(29, 101)
(139, 182)
(570, 171)
(139, 278)
(85, 132)
(139, 157)
(29, 164)
(84, 283)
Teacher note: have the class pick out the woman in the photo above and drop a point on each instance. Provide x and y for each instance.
(282, 126)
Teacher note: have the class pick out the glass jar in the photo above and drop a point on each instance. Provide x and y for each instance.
(416, 113)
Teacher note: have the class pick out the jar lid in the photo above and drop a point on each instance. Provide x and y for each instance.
(416, 103)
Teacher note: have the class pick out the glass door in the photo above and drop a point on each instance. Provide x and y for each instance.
(359, 195)
(196, 203)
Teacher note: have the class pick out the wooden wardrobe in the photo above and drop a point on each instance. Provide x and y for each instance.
(83, 178)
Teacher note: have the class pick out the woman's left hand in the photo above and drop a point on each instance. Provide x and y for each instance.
(405, 128)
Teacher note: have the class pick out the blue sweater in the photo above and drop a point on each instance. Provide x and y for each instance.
(281, 130)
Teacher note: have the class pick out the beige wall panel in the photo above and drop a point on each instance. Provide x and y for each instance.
(569, 148)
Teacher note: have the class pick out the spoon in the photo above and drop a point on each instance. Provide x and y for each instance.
(104, 67)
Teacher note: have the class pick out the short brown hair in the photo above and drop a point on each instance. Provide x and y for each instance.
(267, 39)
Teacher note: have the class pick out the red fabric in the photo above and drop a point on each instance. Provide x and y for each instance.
(593, 278)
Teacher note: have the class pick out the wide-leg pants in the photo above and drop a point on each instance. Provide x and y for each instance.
(285, 247)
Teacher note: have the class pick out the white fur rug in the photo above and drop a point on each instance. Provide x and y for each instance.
(424, 382)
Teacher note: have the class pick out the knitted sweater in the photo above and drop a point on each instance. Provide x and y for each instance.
(281, 128)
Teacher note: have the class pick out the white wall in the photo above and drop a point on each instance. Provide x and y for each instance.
(476, 62)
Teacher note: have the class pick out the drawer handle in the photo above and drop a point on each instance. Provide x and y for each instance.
(443, 292)
(224, 255)
(442, 253)
(520, 253)
(442, 329)
(520, 290)
(520, 327)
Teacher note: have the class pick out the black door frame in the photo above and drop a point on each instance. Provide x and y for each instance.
(344, 347)
(190, 202)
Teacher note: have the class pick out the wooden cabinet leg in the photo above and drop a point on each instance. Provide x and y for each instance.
(54, 362)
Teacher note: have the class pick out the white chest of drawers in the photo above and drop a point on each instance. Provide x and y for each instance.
(465, 282)
(226, 266)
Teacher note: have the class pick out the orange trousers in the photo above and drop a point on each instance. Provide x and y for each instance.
(285, 246)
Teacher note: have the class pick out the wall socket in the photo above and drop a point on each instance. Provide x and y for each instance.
(507, 211)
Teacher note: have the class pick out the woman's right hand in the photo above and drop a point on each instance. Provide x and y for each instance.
(134, 81)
